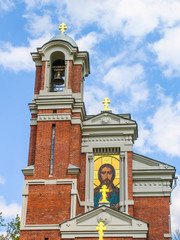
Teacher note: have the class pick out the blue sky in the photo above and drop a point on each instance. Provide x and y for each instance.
(134, 55)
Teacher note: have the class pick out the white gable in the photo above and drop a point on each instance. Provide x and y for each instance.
(118, 225)
(107, 118)
(141, 162)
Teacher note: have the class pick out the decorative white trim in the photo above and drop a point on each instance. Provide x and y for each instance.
(152, 188)
(126, 182)
(72, 169)
(33, 122)
(74, 196)
(54, 117)
(57, 117)
(109, 234)
(28, 170)
(127, 138)
(41, 227)
(167, 235)
(76, 120)
(89, 201)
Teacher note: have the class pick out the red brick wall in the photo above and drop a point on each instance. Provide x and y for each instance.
(48, 204)
(82, 177)
(70, 75)
(45, 111)
(63, 110)
(75, 145)
(43, 75)
(61, 150)
(76, 82)
(155, 211)
(40, 235)
(38, 79)
(32, 145)
(76, 115)
(74, 77)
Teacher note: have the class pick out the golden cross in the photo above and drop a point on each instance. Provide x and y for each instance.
(62, 27)
(105, 102)
(104, 190)
(100, 230)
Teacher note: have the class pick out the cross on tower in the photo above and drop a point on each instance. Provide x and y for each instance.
(100, 230)
(105, 102)
(62, 27)
(104, 190)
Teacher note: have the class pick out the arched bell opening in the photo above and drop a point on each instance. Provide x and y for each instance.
(58, 72)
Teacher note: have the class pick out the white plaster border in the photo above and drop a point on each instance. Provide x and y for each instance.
(74, 197)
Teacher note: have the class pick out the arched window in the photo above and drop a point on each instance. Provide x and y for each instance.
(57, 72)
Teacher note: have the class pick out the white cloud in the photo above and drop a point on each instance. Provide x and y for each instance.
(6, 5)
(2, 180)
(168, 51)
(39, 25)
(166, 128)
(128, 80)
(161, 131)
(130, 17)
(144, 135)
(93, 98)
(9, 210)
(30, 4)
(123, 77)
(19, 58)
(175, 208)
(88, 42)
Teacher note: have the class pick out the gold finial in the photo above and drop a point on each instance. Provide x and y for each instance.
(62, 27)
(100, 230)
(105, 102)
(104, 190)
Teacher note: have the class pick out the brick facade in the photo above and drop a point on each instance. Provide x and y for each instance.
(40, 235)
(74, 81)
(38, 79)
(155, 211)
(48, 204)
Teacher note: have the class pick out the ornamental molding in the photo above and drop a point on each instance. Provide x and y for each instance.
(54, 117)
(153, 184)
(106, 118)
(127, 138)
(33, 121)
(152, 188)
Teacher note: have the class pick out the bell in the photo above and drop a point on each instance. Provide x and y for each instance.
(58, 77)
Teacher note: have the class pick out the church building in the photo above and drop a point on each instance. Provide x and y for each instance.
(82, 172)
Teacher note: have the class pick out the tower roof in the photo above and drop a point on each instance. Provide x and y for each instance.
(64, 37)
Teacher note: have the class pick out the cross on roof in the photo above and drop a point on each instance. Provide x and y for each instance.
(105, 102)
(62, 27)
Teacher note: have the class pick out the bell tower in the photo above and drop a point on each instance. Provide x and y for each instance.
(57, 110)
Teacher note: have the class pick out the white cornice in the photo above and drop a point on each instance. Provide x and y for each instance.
(126, 138)
(54, 117)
